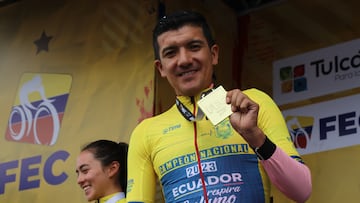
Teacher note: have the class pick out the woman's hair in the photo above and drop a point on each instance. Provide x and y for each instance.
(106, 152)
(177, 20)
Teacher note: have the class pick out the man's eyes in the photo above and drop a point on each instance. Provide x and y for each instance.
(169, 53)
(191, 47)
(195, 47)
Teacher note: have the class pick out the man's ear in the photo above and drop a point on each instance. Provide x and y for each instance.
(215, 54)
(158, 65)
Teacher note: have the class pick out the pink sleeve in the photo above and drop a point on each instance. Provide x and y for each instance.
(290, 176)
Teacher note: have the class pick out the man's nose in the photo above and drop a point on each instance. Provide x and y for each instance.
(185, 58)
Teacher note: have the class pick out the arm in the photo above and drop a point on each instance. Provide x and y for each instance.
(258, 120)
(141, 176)
(281, 169)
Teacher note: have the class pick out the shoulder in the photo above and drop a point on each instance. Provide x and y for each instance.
(257, 95)
(266, 103)
(156, 122)
(162, 117)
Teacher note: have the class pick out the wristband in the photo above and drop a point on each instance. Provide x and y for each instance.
(266, 150)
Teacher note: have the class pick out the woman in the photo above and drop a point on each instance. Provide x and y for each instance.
(102, 171)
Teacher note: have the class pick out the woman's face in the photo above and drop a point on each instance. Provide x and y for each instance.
(92, 177)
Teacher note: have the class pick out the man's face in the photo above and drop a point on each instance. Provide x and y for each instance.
(186, 60)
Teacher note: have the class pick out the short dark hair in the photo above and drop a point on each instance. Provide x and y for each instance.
(175, 21)
(107, 151)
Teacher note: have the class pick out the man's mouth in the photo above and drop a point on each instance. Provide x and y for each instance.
(187, 73)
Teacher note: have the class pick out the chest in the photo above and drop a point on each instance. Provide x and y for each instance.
(179, 144)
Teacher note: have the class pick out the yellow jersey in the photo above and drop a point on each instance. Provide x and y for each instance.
(167, 147)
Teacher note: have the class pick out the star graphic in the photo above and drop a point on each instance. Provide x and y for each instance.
(42, 43)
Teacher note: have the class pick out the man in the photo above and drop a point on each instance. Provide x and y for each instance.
(195, 161)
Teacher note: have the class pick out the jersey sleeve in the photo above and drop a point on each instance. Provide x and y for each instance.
(280, 167)
(141, 176)
(272, 123)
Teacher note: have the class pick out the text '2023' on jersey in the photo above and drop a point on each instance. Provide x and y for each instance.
(163, 147)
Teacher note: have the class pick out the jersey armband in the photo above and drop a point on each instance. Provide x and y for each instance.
(266, 150)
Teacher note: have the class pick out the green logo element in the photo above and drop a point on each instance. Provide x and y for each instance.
(223, 129)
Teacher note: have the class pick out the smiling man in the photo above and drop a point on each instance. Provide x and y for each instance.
(197, 162)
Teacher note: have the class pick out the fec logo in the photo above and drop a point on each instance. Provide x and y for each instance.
(300, 128)
(293, 79)
(38, 108)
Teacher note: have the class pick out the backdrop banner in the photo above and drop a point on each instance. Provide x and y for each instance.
(325, 126)
(71, 72)
(317, 73)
